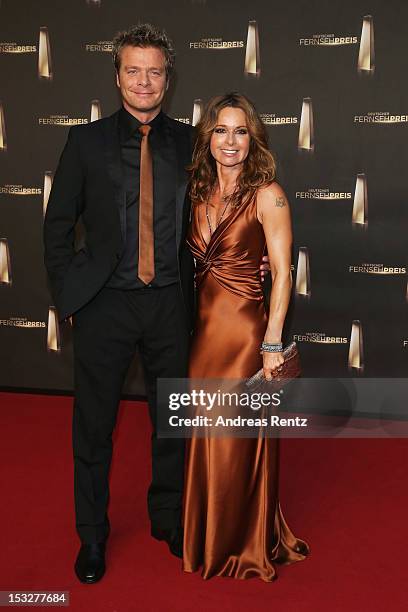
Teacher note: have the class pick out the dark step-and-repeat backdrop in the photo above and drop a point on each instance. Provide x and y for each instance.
(329, 80)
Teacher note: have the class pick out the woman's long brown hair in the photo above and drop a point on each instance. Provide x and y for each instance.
(259, 168)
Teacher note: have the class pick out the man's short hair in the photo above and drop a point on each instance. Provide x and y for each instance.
(144, 35)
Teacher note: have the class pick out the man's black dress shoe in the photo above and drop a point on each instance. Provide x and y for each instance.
(90, 563)
(173, 537)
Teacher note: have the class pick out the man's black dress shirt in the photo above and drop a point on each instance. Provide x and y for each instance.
(164, 203)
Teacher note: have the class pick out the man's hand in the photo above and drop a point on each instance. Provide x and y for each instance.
(264, 268)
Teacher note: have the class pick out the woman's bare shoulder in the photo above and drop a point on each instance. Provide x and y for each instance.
(270, 196)
(271, 192)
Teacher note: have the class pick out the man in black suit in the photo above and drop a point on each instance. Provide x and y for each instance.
(117, 301)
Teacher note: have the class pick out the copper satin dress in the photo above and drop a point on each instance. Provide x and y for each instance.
(233, 523)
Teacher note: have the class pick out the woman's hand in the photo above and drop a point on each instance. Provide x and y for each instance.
(272, 364)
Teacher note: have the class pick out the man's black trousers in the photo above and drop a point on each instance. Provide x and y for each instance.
(106, 333)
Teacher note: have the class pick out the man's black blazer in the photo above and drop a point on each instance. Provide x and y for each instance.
(89, 183)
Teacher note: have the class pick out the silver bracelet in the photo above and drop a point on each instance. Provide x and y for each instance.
(271, 348)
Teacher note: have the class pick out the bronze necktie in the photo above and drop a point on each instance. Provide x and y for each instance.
(146, 238)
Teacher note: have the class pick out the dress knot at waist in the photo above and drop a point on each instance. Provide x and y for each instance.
(239, 277)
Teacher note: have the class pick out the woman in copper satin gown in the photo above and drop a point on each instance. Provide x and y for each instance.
(233, 523)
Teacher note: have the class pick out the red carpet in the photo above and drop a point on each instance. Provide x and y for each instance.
(347, 498)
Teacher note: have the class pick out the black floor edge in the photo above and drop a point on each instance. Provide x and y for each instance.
(66, 392)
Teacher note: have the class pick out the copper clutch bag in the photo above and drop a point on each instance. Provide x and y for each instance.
(290, 369)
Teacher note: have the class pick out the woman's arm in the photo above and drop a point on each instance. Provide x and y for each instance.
(274, 214)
